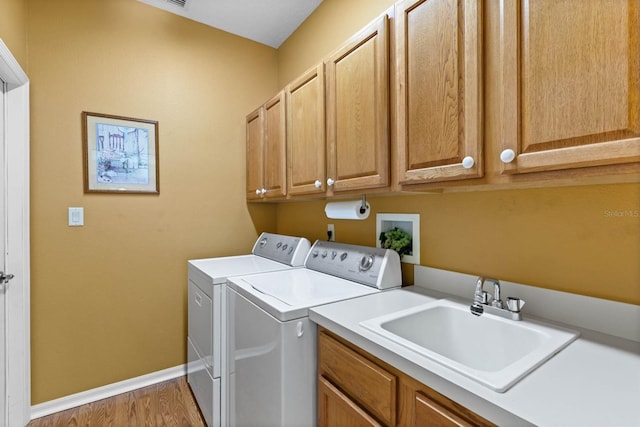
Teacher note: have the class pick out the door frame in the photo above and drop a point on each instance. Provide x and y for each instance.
(18, 354)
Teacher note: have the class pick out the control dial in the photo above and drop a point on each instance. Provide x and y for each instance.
(366, 262)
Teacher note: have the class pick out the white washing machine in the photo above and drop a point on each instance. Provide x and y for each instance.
(271, 342)
(207, 318)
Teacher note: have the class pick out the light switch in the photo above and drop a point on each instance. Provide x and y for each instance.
(76, 217)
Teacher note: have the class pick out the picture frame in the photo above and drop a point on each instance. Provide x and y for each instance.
(120, 154)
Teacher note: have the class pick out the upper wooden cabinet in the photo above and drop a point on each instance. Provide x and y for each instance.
(438, 46)
(255, 144)
(306, 162)
(460, 94)
(571, 83)
(266, 150)
(357, 91)
(275, 147)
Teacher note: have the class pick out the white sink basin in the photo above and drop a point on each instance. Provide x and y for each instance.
(494, 351)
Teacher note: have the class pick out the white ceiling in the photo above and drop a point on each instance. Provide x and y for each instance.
(269, 22)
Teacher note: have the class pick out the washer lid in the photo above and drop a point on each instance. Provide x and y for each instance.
(305, 288)
(217, 270)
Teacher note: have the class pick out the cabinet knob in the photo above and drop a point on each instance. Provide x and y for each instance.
(507, 155)
(330, 182)
(263, 191)
(468, 162)
(317, 184)
(258, 192)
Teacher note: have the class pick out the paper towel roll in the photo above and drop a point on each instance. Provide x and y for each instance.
(347, 210)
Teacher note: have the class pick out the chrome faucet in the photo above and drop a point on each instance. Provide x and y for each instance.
(497, 301)
(484, 301)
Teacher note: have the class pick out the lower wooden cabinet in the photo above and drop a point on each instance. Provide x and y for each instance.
(368, 385)
(424, 407)
(356, 389)
(337, 409)
(429, 413)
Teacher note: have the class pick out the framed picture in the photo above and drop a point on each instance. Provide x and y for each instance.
(120, 154)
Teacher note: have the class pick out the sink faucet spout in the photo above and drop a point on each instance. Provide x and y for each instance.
(497, 298)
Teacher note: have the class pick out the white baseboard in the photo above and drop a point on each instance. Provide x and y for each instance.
(110, 390)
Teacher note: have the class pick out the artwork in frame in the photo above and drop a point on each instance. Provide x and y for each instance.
(120, 154)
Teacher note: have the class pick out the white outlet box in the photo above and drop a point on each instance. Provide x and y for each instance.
(331, 229)
(406, 222)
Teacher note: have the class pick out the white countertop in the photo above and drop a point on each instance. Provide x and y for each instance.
(595, 381)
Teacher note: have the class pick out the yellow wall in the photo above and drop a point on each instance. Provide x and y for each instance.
(583, 240)
(109, 298)
(333, 22)
(13, 28)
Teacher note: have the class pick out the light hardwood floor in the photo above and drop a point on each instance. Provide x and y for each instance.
(169, 403)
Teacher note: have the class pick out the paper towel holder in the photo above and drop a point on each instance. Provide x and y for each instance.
(363, 208)
(352, 209)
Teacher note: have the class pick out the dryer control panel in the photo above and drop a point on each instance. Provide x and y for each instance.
(375, 267)
(288, 250)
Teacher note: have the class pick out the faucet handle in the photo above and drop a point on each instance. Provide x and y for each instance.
(515, 304)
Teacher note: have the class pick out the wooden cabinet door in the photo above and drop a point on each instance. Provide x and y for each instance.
(274, 154)
(358, 110)
(424, 407)
(255, 141)
(366, 383)
(306, 164)
(571, 83)
(438, 46)
(336, 409)
(429, 413)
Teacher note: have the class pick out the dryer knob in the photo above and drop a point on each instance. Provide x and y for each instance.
(366, 262)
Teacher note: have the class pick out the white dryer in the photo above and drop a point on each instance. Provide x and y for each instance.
(207, 318)
(271, 341)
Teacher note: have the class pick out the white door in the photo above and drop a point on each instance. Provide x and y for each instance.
(15, 401)
(3, 300)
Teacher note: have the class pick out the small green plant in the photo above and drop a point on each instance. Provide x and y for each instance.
(396, 239)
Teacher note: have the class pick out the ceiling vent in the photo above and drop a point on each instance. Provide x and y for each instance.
(179, 3)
